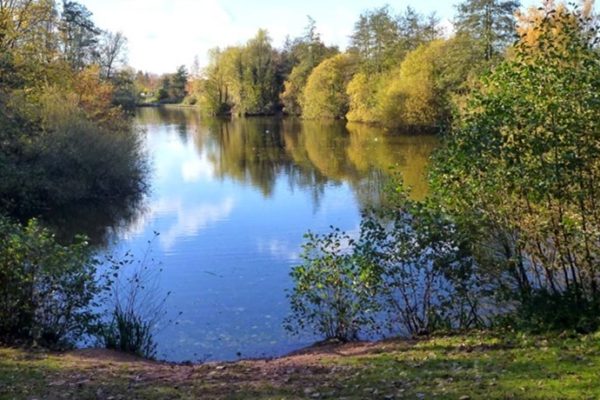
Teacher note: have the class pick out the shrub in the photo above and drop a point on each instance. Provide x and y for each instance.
(428, 279)
(333, 294)
(521, 167)
(68, 159)
(46, 289)
(543, 311)
(410, 271)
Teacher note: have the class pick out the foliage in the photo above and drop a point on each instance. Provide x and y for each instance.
(173, 88)
(490, 22)
(60, 165)
(381, 39)
(305, 54)
(412, 96)
(79, 36)
(47, 289)
(543, 311)
(521, 166)
(259, 84)
(333, 293)
(410, 270)
(59, 125)
(125, 94)
(362, 92)
(325, 92)
(243, 80)
(428, 280)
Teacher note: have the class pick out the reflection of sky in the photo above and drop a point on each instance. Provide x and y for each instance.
(226, 249)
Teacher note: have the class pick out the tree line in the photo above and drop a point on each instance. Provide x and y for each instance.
(399, 70)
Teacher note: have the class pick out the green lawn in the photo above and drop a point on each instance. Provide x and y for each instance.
(474, 366)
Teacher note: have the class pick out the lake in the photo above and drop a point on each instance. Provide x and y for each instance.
(231, 201)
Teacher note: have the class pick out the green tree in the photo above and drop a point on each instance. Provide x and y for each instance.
(79, 35)
(522, 165)
(325, 92)
(375, 39)
(491, 22)
(260, 87)
(178, 84)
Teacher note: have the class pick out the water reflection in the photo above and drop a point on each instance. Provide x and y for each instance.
(309, 153)
(232, 199)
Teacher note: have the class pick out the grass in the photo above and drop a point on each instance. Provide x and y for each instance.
(473, 366)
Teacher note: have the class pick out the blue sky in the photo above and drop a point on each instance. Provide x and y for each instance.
(166, 33)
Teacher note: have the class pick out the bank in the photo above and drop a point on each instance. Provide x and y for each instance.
(473, 366)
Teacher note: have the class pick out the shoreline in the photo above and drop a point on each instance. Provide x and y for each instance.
(475, 365)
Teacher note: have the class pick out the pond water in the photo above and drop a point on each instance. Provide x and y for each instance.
(231, 201)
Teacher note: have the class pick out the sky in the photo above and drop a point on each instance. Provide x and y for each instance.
(163, 34)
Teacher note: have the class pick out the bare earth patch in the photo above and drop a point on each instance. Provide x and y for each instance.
(478, 365)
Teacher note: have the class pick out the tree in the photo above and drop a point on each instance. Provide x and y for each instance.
(375, 39)
(362, 93)
(306, 52)
(491, 22)
(412, 96)
(79, 35)
(178, 84)
(112, 52)
(325, 92)
(522, 166)
(259, 81)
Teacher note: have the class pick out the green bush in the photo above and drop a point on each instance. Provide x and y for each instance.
(520, 169)
(410, 271)
(72, 161)
(47, 290)
(542, 311)
(333, 294)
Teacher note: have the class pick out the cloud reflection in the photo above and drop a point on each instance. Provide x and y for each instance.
(279, 249)
(190, 221)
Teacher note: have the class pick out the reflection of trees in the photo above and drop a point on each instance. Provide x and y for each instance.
(98, 223)
(371, 150)
(250, 151)
(310, 154)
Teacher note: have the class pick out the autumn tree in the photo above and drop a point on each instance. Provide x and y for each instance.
(306, 53)
(523, 163)
(382, 41)
(325, 92)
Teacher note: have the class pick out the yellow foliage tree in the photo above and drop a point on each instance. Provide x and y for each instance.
(362, 93)
(325, 92)
(412, 96)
